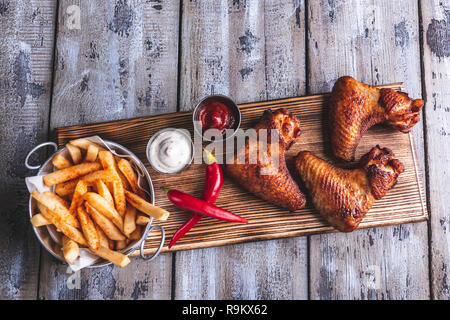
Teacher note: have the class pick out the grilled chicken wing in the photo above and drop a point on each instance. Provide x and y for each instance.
(343, 197)
(264, 172)
(355, 107)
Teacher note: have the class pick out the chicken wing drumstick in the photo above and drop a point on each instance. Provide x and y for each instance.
(266, 178)
(355, 107)
(343, 197)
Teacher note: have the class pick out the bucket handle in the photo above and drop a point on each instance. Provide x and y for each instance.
(54, 145)
(154, 255)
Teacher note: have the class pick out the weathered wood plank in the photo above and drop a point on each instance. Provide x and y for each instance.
(26, 51)
(118, 60)
(376, 42)
(436, 67)
(245, 49)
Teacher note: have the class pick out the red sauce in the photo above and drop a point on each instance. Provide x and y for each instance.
(216, 115)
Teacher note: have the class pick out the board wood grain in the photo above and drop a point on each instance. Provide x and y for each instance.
(404, 203)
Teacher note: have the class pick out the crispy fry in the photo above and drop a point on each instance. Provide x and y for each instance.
(142, 220)
(38, 220)
(104, 175)
(92, 152)
(137, 233)
(146, 207)
(75, 153)
(127, 170)
(60, 200)
(70, 173)
(88, 227)
(115, 257)
(102, 206)
(125, 183)
(66, 188)
(107, 160)
(121, 244)
(66, 229)
(84, 144)
(104, 241)
(51, 201)
(112, 244)
(110, 229)
(60, 162)
(129, 221)
(77, 198)
(70, 248)
(103, 190)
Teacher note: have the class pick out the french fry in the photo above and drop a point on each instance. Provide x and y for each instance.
(125, 183)
(104, 175)
(146, 207)
(38, 220)
(92, 152)
(51, 201)
(66, 188)
(70, 248)
(104, 241)
(75, 153)
(60, 200)
(70, 173)
(88, 227)
(110, 229)
(112, 244)
(102, 206)
(137, 233)
(119, 197)
(142, 220)
(66, 229)
(121, 244)
(107, 160)
(129, 221)
(103, 190)
(84, 144)
(60, 162)
(115, 257)
(128, 171)
(77, 198)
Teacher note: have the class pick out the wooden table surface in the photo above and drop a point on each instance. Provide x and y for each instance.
(80, 61)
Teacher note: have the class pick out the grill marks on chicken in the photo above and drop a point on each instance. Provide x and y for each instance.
(355, 107)
(266, 178)
(342, 196)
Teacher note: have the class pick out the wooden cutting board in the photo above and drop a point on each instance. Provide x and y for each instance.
(403, 204)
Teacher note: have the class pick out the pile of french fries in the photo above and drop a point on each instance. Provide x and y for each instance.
(97, 202)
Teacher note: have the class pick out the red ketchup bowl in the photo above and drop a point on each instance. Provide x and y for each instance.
(218, 113)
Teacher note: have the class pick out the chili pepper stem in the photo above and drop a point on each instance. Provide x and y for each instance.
(209, 157)
(166, 190)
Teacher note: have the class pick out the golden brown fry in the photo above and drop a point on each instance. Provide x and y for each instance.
(110, 229)
(75, 153)
(38, 220)
(104, 241)
(84, 144)
(127, 170)
(107, 160)
(125, 183)
(137, 233)
(88, 227)
(70, 248)
(77, 198)
(146, 207)
(112, 244)
(70, 173)
(92, 152)
(115, 257)
(129, 221)
(104, 175)
(66, 188)
(103, 190)
(53, 203)
(121, 244)
(66, 229)
(60, 162)
(102, 206)
(142, 220)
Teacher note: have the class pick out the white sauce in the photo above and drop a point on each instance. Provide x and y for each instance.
(170, 151)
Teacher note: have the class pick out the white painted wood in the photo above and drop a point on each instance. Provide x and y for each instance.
(375, 42)
(436, 75)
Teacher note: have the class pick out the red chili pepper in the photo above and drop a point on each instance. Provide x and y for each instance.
(213, 184)
(189, 203)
